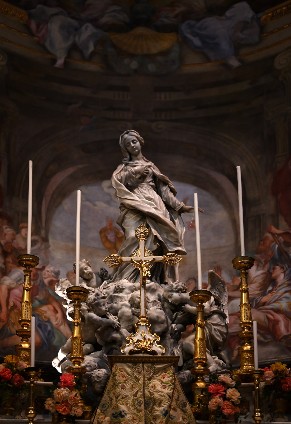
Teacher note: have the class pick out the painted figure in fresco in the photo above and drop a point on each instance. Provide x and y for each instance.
(272, 311)
(11, 288)
(21, 237)
(47, 305)
(219, 36)
(7, 245)
(111, 236)
(146, 196)
(270, 295)
(59, 32)
(258, 276)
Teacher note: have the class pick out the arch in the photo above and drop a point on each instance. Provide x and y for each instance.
(179, 150)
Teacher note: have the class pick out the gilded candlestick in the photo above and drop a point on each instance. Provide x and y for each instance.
(243, 264)
(77, 294)
(200, 369)
(28, 262)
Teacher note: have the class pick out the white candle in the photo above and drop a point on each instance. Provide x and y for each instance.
(240, 206)
(32, 342)
(198, 241)
(78, 218)
(29, 217)
(255, 334)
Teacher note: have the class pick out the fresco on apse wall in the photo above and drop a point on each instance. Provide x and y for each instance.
(269, 279)
(143, 36)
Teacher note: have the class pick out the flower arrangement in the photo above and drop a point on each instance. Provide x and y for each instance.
(13, 390)
(277, 381)
(66, 399)
(224, 397)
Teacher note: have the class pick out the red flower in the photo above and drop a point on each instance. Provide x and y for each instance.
(17, 380)
(228, 408)
(5, 374)
(67, 380)
(216, 389)
(286, 384)
(266, 369)
(63, 408)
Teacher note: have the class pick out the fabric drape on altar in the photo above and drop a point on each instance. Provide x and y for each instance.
(143, 393)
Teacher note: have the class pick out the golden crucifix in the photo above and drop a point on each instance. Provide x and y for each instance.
(143, 341)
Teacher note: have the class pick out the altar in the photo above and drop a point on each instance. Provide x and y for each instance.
(148, 348)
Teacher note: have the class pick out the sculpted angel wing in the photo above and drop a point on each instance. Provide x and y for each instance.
(217, 286)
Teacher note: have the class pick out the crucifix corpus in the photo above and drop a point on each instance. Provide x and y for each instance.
(143, 341)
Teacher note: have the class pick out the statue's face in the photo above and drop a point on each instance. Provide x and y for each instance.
(86, 271)
(100, 307)
(132, 145)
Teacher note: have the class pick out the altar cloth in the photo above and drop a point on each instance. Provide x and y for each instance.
(143, 393)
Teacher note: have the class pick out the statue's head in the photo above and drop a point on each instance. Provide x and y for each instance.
(122, 139)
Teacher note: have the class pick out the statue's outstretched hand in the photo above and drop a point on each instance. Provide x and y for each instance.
(189, 209)
(186, 209)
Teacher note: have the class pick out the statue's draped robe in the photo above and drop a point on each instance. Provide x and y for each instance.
(150, 201)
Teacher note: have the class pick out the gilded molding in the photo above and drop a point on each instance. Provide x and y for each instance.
(275, 30)
(13, 12)
(276, 13)
(10, 28)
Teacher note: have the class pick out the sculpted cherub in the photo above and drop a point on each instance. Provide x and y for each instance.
(105, 326)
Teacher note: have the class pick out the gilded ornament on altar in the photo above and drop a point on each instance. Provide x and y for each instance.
(137, 252)
(142, 40)
(143, 341)
(172, 258)
(13, 11)
(143, 265)
(113, 260)
(142, 232)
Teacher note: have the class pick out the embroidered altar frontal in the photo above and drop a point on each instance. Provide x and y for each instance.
(143, 393)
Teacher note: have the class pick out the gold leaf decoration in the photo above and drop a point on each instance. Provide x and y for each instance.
(142, 40)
